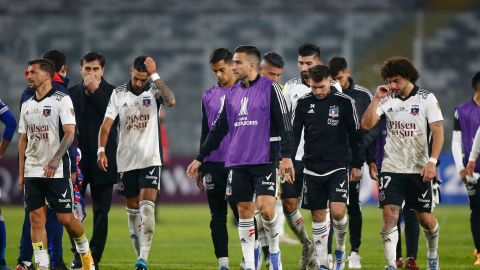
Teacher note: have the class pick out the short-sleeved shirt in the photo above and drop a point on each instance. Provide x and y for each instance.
(406, 148)
(138, 142)
(42, 121)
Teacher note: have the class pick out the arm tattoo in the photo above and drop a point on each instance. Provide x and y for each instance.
(64, 145)
(164, 93)
(437, 123)
(395, 210)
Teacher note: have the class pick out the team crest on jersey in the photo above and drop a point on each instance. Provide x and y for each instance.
(334, 111)
(415, 110)
(47, 111)
(243, 106)
(147, 102)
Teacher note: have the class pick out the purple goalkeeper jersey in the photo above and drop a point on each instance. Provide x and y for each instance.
(467, 120)
(213, 101)
(248, 117)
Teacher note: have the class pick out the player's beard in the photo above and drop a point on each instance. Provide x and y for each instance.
(304, 75)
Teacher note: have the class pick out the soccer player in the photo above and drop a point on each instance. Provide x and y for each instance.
(271, 66)
(47, 127)
(258, 123)
(466, 123)
(407, 169)
(53, 227)
(213, 171)
(308, 56)
(412, 228)
(331, 129)
(137, 105)
(341, 73)
(10, 123)
(90, 99)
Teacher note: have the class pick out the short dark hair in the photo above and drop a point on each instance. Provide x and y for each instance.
(220, 54)
(308, 49)
(399, 66)
(57, 57)
(336, 65)
(92, 56)
(476, 80)
(319, 73)
(274, 59)
(44, 64)
(139, 64)
(249, 50)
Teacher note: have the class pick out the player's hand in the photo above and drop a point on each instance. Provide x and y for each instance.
(463, 176)
(286, 170)
(102, 161)
(51, 167)
(355, 175)
(192, 169)
(373, 170)
(21, 181)
(151, 66)
(73, 177)
(470, 167)
(382, 91)
(91, 83)
(199, 180)
(429, 171)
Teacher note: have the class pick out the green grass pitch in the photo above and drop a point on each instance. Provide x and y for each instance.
(182, 239)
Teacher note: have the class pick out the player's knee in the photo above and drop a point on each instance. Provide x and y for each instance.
(65, 219)
(289, 206)
(37, 218)
(319, 215)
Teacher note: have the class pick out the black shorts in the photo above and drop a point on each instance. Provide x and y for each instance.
(319, 190)
(245, 181)
(293, 191)
(395, 188)
(56, 191)
(130, 182)
(474, 196)
(215, 178)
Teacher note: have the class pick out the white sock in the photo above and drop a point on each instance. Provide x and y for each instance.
(147, 212)
(320, 238)
(246, 232)
(340, 232)
(223, 262)
(41, 255)
(390, 239)
(280, 217)
(81, 244)
(134, 223)
(272, 229)
(295, 222)
(432, 241)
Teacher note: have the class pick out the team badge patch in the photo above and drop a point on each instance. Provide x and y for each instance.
(47, 111)
(415, 110)
(334, 111)
(147, 102)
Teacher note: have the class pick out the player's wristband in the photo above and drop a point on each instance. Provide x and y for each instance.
(433, 160)
(155, 77)
(100, 150)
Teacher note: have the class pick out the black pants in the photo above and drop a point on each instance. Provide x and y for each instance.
(412, 233)
(474, 199)
(215, 183)
(101, 203)
(354, 216)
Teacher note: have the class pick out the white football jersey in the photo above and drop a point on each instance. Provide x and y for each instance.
(295, 89)
(42, 121)
(406, 147)
(138, 142)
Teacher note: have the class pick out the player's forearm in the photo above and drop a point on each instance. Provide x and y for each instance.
(22, 146)
(103, 136)
(165, 93)
(3, 147)
(437, 138)
(475, 147)
(457, 150)
(370, 117)
(64, 144)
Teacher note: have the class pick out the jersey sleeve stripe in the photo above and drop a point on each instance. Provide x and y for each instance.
(283, 106)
